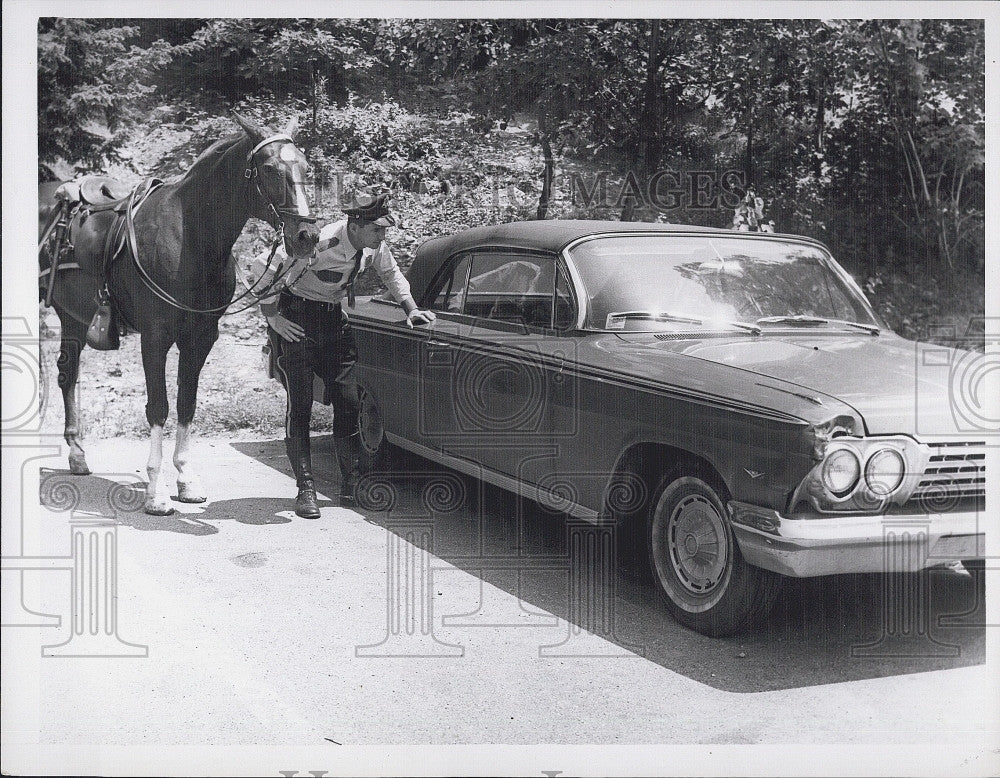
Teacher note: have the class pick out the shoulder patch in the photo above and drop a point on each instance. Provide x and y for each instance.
(329, 243)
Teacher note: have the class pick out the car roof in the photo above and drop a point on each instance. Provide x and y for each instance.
(549, 235)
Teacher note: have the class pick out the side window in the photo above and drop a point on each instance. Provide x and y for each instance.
(452, 292)
(512, 287)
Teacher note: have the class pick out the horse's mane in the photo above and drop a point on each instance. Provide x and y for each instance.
(221, 145)
(210, 157)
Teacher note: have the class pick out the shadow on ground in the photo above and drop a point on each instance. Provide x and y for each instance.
(121, 496)
(821, 630)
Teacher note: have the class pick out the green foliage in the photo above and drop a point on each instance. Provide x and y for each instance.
(867, 135)
(303, 58)
(91, 86)
(445, 47)
(379, 140)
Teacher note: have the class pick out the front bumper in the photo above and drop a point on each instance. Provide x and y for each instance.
(855, 544)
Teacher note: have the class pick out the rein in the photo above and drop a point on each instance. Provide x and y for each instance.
(253, 177)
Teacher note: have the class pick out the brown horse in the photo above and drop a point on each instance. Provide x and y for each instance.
(182, 279)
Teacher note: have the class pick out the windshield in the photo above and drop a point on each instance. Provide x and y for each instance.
(667, 282)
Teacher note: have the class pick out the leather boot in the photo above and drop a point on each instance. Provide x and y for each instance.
(298, 456)
(349, 459)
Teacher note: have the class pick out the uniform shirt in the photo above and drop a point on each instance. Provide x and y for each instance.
(325, 274)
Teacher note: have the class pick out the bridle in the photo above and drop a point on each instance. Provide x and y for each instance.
(252, 175)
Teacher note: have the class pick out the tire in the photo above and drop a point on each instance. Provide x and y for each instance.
(697, 565)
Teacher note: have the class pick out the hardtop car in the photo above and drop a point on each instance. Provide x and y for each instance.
(728, 401)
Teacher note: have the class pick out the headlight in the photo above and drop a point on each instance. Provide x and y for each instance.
(841, 471)
(884, 471)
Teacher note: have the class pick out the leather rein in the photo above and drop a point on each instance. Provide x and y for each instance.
(253, 178)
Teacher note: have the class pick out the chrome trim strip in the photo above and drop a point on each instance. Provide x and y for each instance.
(852, 527)
(587, 371)
(579, 291)
(529, 491)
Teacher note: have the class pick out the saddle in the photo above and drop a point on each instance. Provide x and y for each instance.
(100, 192)
(85, 196)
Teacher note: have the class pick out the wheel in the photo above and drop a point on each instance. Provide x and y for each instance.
(371, 432)
(697, 565)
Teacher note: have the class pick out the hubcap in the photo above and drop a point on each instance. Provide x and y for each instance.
(370, 424)
(697, 543)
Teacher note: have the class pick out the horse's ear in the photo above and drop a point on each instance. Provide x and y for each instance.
(251, 129)
(292, 127)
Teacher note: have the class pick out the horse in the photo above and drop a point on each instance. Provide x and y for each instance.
(180, 280)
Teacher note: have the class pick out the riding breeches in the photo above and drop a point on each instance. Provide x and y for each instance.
(326, 350)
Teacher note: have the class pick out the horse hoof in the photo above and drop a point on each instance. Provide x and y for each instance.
(78, 466)
(157, 508)
(189, 493)
(193, 498)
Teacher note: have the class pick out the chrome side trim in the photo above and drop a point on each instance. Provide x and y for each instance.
(615, 378)
(579, 291)
(529, 491)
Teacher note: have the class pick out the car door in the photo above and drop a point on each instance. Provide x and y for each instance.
(487, 369)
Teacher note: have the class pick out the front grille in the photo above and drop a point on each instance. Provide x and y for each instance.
(955, 472)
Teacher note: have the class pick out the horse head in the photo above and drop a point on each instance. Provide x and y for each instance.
(277, 171)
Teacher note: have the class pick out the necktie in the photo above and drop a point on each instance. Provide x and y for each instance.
(352, 276)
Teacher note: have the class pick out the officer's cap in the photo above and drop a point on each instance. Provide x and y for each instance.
(369, 207)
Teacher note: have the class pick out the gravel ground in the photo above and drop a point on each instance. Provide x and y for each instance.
(236, 399)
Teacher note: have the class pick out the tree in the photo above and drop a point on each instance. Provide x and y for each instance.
(310, 58)
(936, 113)
(91, 88)
(554, 75)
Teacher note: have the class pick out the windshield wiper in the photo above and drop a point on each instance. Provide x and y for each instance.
(676, 317)
(753, 329)
(809, 321)
(653, 316)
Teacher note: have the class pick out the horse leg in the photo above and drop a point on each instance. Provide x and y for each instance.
(191, 360)
(74, 336)
(154, 360)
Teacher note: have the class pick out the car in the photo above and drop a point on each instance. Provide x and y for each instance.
(728, 401)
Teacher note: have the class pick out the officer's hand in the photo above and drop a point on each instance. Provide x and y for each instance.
(419, 317)
(288, 330)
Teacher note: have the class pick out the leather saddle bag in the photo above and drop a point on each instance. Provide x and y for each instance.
(102, 334)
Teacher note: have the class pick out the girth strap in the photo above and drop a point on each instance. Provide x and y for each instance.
(122, 230)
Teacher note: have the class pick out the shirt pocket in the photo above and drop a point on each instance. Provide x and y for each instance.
(329, 276)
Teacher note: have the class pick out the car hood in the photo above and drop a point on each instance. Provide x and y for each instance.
(897, 386)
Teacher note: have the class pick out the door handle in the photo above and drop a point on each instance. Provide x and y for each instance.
(438, 344)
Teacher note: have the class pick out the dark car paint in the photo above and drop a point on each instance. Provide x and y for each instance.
(595, 387)
(838, 366)
(748, 405)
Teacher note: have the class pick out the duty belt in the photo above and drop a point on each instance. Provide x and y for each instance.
(292, 302)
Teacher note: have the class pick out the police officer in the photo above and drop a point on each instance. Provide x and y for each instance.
(309, 334)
